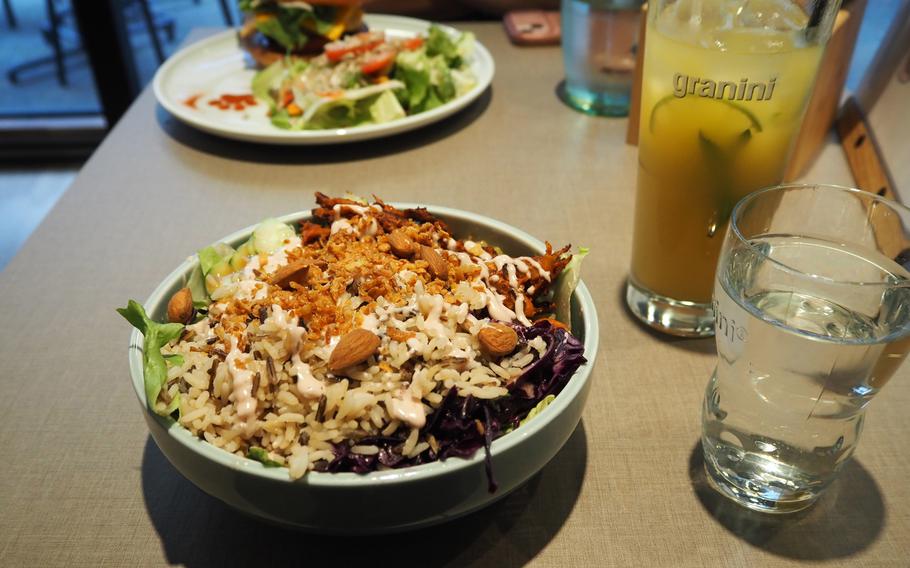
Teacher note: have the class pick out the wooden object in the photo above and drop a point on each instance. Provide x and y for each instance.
(635, 101)
(870, 174)
(859, 146)
(829, 83)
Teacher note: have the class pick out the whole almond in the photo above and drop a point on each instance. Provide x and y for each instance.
(401, 245)
(180, 306)
(354, 348)
(436, 265)
(293, 272)
(497, 340)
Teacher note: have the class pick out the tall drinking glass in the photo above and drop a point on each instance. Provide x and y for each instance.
(812, 308)
(725, 85)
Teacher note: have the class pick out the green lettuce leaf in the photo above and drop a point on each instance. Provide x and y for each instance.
(538, 409)
(386, 108)
(464, 46)
(267, 81)
(285, 28)
(412, 69)
(322, 18)
(209, 257)
(565, 285)
(282, 119)
(341, 113)
(262, 456)
(155, 336)
(196, 284)
(439, 43)
(441, 79)
(430, 102)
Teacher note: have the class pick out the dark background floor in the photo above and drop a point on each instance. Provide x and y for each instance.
(38, 90)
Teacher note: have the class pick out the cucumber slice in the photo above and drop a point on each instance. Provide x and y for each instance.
(238, 261)
(242, 255)
(211, 283)
(224, 250)
(213, 255)
(223, 268)
(270, 235)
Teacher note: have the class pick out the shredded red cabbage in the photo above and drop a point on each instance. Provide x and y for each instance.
(461, 426)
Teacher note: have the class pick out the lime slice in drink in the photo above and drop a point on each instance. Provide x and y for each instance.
(720, 120)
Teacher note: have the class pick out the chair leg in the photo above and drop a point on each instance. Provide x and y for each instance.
(226, 12)
(150, 26)
(54, 38)
(13, 73)
(10, 15)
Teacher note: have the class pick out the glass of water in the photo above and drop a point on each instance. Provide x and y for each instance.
(812, 317)
(599, 39)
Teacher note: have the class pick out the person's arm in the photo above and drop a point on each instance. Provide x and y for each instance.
(428, 9)
(500, 7)
(455, 9)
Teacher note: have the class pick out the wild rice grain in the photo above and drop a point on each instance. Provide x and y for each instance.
(270, 370)
(320, 410)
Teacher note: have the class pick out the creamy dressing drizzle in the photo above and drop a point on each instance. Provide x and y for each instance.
(342, 225)
(241, 384)
(249, 286)
(356, 209)
(477, 250)
(431, 305)
(520, 309)
(372, 229)
(307, 385)
(404, 406)
(543, 273)
(496, 307)
(466, 261)
(285, 320)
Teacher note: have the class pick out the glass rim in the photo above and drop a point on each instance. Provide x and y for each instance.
(737, 210)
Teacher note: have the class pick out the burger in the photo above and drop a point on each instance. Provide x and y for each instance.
(277, 28)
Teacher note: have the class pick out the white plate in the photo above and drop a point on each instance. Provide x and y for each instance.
(218, 65)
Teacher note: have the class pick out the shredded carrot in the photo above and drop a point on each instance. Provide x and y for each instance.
(294, 110)
(554, 323)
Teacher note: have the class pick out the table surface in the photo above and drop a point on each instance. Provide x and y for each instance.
(82, 484)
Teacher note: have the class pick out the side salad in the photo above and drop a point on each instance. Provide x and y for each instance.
(367, 78)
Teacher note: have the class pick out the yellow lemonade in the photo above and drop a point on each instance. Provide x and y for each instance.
(719, 112)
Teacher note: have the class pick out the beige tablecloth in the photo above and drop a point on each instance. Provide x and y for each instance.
(83, 485)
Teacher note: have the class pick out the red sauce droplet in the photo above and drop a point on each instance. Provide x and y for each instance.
(191, 101)
(233, 102)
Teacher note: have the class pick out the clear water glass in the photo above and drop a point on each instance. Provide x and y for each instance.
(599, 39)
(812, 318)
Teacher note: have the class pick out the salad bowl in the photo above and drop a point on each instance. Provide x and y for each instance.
(384, 500)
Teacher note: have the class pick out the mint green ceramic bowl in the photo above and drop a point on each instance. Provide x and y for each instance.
(382, 501)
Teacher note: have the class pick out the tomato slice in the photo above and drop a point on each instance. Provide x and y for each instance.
(286, 98)
(412, 43)
(358, 44)
(381, 61)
